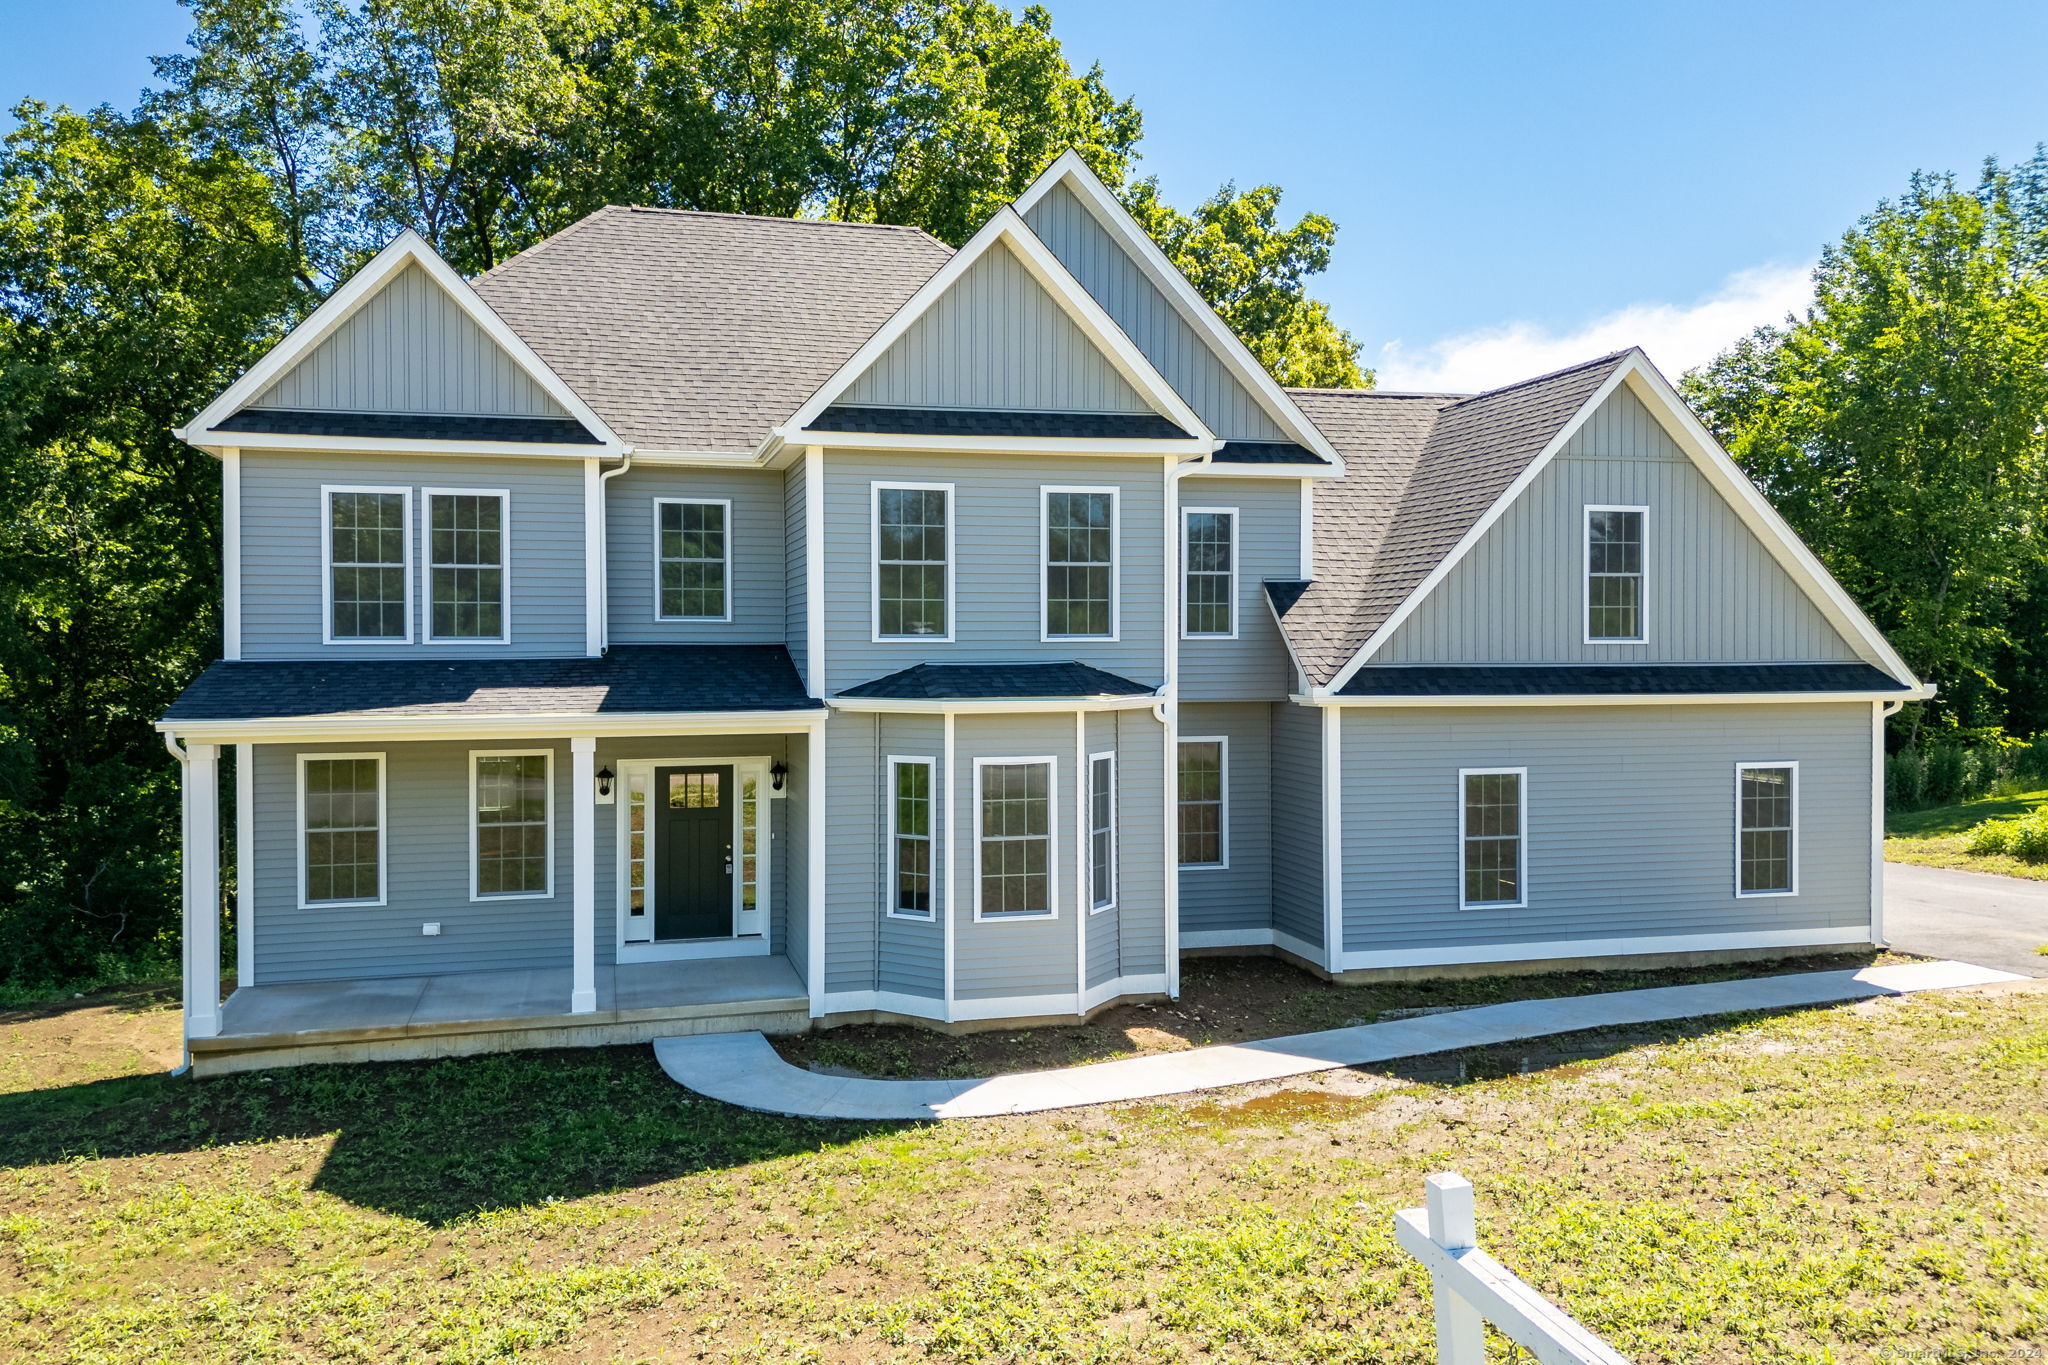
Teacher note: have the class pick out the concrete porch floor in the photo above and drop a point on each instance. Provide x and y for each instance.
(395, 1018)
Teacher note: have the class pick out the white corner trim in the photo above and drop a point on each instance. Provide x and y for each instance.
(728, 577)
(814, 868)
(231, 552)
(1116, 562)
(814, 571)
(1008, 229)
(582, 874)
(405, 249)
(1333, 837)
(946, 882)
(1878, 711)
(427, 565)
(1115, 219)
(1084, 855)
(245, 865)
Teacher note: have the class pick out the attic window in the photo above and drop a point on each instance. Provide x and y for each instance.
(1614, 574)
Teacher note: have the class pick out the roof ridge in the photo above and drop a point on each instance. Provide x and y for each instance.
(769, 218)
(1607, 359)
(1382, 393)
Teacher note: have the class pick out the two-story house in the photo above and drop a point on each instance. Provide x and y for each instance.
(703, 622)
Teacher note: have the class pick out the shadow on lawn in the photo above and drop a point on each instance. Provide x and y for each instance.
(434, 1141)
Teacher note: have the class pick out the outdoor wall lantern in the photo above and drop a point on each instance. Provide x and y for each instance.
(604, 782)
(777, 774)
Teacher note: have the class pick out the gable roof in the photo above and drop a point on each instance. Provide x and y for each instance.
(1429, 474)
(397, 263)
(700, 331)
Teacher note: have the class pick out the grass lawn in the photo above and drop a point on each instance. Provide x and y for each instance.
(1934, 836)
(1830, 1185)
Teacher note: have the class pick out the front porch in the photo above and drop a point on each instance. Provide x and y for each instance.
(457, 1013)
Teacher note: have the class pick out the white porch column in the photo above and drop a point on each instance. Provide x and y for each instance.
(583, 875)
(201, 809)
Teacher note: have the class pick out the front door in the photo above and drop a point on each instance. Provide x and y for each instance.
(693, 852)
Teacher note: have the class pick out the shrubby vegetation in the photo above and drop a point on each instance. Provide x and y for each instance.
(2024, 837)
(1944, 772)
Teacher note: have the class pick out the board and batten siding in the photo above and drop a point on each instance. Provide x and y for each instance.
(996, 339)
(427, 876)
(1254, 666)
(1712, 592)
(284, 525)
(998, 565)
(1240, 895)
(410, 348)
(1631, 821)
(1180, 353)
(1298, 822)
(755, 558)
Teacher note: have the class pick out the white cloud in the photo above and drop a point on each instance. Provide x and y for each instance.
(1677, 336)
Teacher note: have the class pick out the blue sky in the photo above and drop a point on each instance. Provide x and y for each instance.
(1517, 185)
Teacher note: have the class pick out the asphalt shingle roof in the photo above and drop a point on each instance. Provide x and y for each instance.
(1266, 452)
(1535, 680)
(630, 678)
(968, 682)
(429, 426)
(1420, 470)
(700, 331)
(973, 422)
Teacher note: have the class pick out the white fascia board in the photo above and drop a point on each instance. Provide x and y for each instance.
(1920, 693)
(1213, 470)
(405, 249)
(1477, 531)
(524, 725)
(1011, 230)
(259, 442)
(1007, 445)
(1193, 308)
(993, 705)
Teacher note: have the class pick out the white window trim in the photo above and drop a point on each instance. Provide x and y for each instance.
(327, 492)
(1115, 836)
(1052, 839)
(875, 635)
(1521, 902)
(725, 503)
(1222, 743)
(932, 839)
(1793, 857)
(548, 838)
(383, 831)
(1642, 635)
(1116, 561)
(1236, 524)
(426, 522)
(751, 943)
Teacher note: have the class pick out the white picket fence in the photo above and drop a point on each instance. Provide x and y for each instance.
(1472, 1289)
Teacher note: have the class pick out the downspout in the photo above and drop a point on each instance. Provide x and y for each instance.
(604, 549)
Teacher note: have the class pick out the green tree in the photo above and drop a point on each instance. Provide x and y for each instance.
(1898, 425)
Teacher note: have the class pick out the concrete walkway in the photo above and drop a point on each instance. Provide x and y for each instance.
(1939, 911)
(743, 1069)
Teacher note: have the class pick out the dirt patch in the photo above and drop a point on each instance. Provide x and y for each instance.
(129, 1031)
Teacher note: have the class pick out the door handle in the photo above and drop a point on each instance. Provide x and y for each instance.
(728, 867)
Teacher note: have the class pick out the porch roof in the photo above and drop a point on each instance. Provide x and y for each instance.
(975, 682)
(628, 680)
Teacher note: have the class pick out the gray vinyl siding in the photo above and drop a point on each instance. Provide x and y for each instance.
(410, 348)
(865, 947)
(426, 831)
(1254, 666)
(1712, 592)
(795, 579)
(910, 953)
(1130, 940)
(1298, 822)
(1021, 956)
(284, 526)
(1240, 895)
(998, 569)
(996, 339)
(1180, 353)
(796, 943)
(1631, 821)
(755, 556)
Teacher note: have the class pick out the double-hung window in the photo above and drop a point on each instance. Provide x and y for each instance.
(1080, 529)
(913, 561)
(1614, 574)
(910, 837)
(341, 829)
(1204, 803)
(1102, 831)
(693, 559)
(1013, 836)
(365, 538)
(1492, 822)
(511, 824)
(1209, 572)
(1766, 828)
(466, 535)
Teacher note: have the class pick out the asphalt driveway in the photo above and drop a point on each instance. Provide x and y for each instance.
(1991, 921)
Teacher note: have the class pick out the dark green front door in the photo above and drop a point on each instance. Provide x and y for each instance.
(693, 852)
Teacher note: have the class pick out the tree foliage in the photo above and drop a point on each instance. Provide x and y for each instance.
(147, 257)
(1899, 426)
